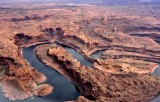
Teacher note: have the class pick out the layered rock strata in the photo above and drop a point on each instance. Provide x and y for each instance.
(97, 84)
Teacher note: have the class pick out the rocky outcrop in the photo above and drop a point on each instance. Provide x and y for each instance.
(125, 65)
(49, 31)
(19, 83)
(10, 65)
(48, 36)
(82, 99)
(14, 89)
(136, 52)
(43, 90)
(139, 55)
(154, 36)
(141, 28)
(27, 18)
(21, 39)
(94, 31)
(95, 84)
(25, 40)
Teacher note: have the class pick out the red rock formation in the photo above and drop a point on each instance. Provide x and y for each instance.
(43, 90)
(128, 53)
(19, 83)
(25, 40)
(95, 84)
(14, 89)
(92, 25)
(125, 65)
(27, 18)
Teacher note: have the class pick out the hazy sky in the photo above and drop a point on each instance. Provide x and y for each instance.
(102, 1)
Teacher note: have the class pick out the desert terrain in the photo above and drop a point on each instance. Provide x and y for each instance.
(119, 43)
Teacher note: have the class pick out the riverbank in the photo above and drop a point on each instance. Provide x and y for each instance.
(28, 82)
(119, 65)
(87, 28)
(64, 90)
(90, 84)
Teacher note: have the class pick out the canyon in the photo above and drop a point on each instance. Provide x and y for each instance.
(92, 82)
(65, 38)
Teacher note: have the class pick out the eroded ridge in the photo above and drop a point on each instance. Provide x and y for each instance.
(97, 84)
(19, 83)
(129, 33)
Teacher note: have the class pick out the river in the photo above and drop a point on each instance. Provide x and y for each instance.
(96, 55)
(156, 73)
(78, 56)
(63, 88)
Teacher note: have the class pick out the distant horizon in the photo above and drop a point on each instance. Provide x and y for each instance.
(74, 0)
(84, 1)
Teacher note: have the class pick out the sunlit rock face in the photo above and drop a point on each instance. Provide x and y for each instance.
(86, 29)
(100, 85)
(13, 93)
(43, 90)
(15, 89)
(19, 83)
